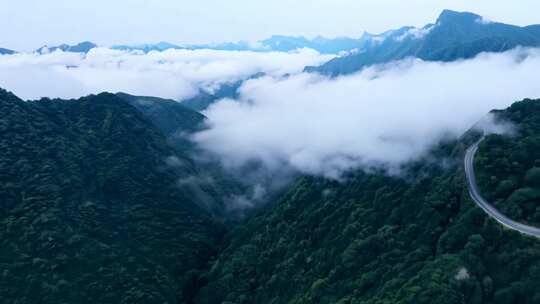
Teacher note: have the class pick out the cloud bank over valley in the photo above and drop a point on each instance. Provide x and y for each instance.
(383, 116)
(175, 74)
(287, 120)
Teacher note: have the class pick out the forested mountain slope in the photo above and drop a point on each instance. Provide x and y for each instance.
(168, 115)
(99, 204)
(210, 185)
(372, 238)
(508, 167)
(94, 208)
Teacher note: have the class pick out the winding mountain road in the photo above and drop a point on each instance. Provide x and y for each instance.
(485, 205)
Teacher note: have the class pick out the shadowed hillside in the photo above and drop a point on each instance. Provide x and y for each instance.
(92, 209)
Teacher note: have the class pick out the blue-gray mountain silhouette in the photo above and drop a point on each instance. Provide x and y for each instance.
(6, 51)
(83, 47)
(455, 35)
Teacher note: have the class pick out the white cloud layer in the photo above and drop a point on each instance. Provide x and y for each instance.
(382, 116)
(175, 74)
(385, 115)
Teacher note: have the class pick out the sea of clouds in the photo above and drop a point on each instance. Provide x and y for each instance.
(288, 120)
(175, 74)
(383, 116)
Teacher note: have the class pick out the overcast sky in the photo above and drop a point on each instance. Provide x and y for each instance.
(27, 24)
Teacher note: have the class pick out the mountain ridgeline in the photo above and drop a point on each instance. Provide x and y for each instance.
(276, 43)
(204, 99)
(454, 36)
(6, 51)
(83, 47)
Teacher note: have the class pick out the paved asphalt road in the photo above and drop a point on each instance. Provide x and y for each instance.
(487, 207)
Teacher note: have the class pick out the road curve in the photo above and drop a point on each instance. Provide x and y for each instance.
(487, 207)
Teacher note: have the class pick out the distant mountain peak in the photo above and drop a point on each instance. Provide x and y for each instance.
(82, 47)
(6, 51)
(88, 44)
(455, 35)
(450, 16)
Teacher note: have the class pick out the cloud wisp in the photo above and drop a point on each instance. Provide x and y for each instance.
(383, 116)
(175, 74)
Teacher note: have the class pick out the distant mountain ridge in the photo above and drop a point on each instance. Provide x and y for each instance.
(83, 47)
(6, 51)
(147, 47)
(455, 35)
(276, 43)
(205, 99)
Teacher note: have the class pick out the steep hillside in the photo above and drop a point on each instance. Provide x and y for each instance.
(210, 185)
(95, 206)
(416, 238)
(169, 116)
(454, 36)
(509, 166)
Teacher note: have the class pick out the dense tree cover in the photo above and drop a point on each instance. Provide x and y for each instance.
(373, 238)
(94, 207)
(100, 204)
(211, 185)
(170, 116)
(508, 166)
